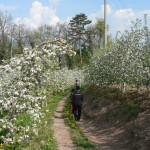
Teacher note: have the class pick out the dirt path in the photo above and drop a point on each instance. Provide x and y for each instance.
(104, 139)
(61, 132)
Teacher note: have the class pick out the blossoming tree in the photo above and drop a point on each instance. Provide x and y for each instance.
(127, 61)
(25, 82)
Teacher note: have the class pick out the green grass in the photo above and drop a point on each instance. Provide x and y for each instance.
(104, 92)
(23, 120)
(3, 114)
(79, 139)
(131, 110)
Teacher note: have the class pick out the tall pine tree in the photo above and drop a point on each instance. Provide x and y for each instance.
(77, 30)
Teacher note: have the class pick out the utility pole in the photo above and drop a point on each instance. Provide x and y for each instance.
(146, 31)
(11, 47)
(105, 22)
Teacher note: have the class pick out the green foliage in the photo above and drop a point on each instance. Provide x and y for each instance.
(131, 110)
(105, 92)
(3, 133)
(77, 31)
(82, 142)
(70, 61)
(100, 28)
(75, 62)
(23, 120)
(3, 114)
(68, 116)
(78, 23)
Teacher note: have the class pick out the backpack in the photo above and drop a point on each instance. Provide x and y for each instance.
(78, 98)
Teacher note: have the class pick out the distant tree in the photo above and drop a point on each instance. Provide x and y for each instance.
(31, 38)
(77, 30)
(43, 32)
(20, 36)
(11, 41)
(59, 31)
(90, 35)
(5, 24)
(100, 29)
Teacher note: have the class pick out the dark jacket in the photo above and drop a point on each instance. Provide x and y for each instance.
(78, 98)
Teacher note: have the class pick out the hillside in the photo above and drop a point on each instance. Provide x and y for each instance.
(121, 121)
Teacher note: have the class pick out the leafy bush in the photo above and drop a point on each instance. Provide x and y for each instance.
(131, 110)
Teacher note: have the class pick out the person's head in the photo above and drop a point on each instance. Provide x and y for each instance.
(78, 88)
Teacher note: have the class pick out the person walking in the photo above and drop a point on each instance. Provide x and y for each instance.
(78, 99)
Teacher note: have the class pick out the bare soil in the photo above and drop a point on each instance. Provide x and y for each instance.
(61, 131)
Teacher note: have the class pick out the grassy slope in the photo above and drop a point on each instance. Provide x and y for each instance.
(109, 107)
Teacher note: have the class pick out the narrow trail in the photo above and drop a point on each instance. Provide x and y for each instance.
(61, 131)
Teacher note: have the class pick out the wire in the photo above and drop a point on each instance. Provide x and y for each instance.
(124, 6)
(122, 2)
(118, 8)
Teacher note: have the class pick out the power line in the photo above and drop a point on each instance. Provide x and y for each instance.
(124, 7)
(105, 21)
(121, 6)
(122, 2)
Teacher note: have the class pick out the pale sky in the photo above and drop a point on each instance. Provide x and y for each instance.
(33, 13)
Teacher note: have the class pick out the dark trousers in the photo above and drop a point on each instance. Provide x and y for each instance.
(77, 111)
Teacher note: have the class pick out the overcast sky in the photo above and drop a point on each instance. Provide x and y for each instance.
(36, 12)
